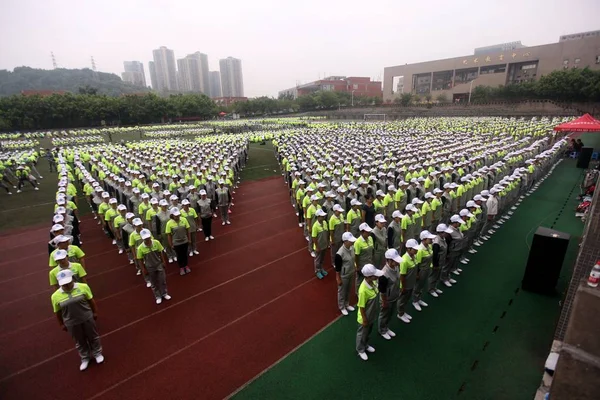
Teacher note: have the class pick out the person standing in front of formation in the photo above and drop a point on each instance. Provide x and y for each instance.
(439, 262)
(336, 230)
(75, 310)
(192, 218)
(223, 201)
(408, 278)
(178, 234)
(344, 270)
(424, 255)
(206, 215)
(151, 257)
(320, 241)
(367, 309)
(389, 291)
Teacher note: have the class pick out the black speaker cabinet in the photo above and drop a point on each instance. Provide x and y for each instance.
(585, 155)
(546, 257)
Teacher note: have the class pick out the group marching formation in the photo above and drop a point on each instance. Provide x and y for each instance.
(400, 212)
(151, 199)
(18, 170)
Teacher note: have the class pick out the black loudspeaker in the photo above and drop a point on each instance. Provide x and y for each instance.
(546, 257)
(585, 155)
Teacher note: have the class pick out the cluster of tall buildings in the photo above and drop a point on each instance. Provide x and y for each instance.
(190, 74)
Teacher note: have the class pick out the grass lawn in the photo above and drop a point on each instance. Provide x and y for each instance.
(261, 162)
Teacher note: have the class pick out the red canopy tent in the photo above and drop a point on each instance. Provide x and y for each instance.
(585, 123)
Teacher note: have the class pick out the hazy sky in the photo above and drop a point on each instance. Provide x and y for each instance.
(280, 42)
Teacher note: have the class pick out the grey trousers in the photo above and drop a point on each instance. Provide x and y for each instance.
(405, 296)
(158, 280)
(343, 290)
(192, 243)
(165, 243)
(362, 337)
(224, 213)
(445, 275)
(87, 340)
(385, 315)
(319, 259)
(421, 283)
(434, 278)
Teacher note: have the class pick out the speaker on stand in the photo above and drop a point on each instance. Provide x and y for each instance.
(546, 257)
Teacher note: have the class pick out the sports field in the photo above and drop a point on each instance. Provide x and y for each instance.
(252, 310)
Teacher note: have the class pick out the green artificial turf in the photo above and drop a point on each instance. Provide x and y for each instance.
(482, 339)
(261, 162)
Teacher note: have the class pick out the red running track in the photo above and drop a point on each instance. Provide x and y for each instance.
(251, 298)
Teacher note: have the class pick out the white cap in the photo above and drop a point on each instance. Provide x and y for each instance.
(57, 227)
(443, 228)
(163, 203)
(412, 244)
(174, 211)
(426, 235)
(145, 234)
(365, 227)
(129, 215)
(105, 195)
(379, 193)
(396, 214)
(416, 200)
(337, 207)
(60, 254)
(202, 192)
(64, 276)
(320, 213)
(348, 236)
(370, 270)
(63, 238)
(185, 202)
(58, 218)
(429, 195)
(470, 204)
(392, 254)
(173, 197)
(137, 222)
(314, 197)
(392, 188)
(410, 207)
(456, 218)
(380, 218)
(436, 191)
(355, 202)
(154, 200)
(121, 207)
(465, 213)
(144, 195)
(478, 197)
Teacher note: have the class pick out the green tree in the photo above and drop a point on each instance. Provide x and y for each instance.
(406, 99)
(441, 98)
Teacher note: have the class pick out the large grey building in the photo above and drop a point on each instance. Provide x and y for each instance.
(166, 73)
(215, 84)
(232, 81)
(192, 73)
(455, 77)
(497, 48)
(134, 73)
(153, 79)
(202, 71)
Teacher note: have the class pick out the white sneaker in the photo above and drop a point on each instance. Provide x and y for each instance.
(158, 300)
(485, 238)
(206, 239)
(19, 191)
(447, 283)
(300, 224)
(41, 177)
(370, 349)
(196, 252)
(167, 297)
(130, 262)
(417, 306)
(84, 364)
(297, 214)
(312, 254)
(404, 318)
(434, 293)
(349, 308)
(99, 359)
(465, 262)
(513, 208)
(214, 215)
(439, 291)
(191, 254)
(344, 311)
(120, 251)
(212, 237)
(223, 223)
(452, 281)
(363, 356)
(228, 222)
(509, 213)
(472, 251)
(421, 302)
(114, 242)
(386, 336)
(391, 333)
(409, 316)
(496, 227)
(459, 269)
(170, 261)
(37, 188)
(199, 229)
(174, 258)
(138, 272)
(148, 284)
(455, 272)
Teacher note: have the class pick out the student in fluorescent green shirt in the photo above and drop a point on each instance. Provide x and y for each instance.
(368, 309)
(152, 260)
(74, 253)
(178, 234)
(61, 258)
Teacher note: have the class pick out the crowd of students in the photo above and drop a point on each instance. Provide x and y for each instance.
(150, 198)
(18, 169)
(401, 212)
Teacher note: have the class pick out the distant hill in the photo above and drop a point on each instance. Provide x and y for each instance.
(61, 79)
